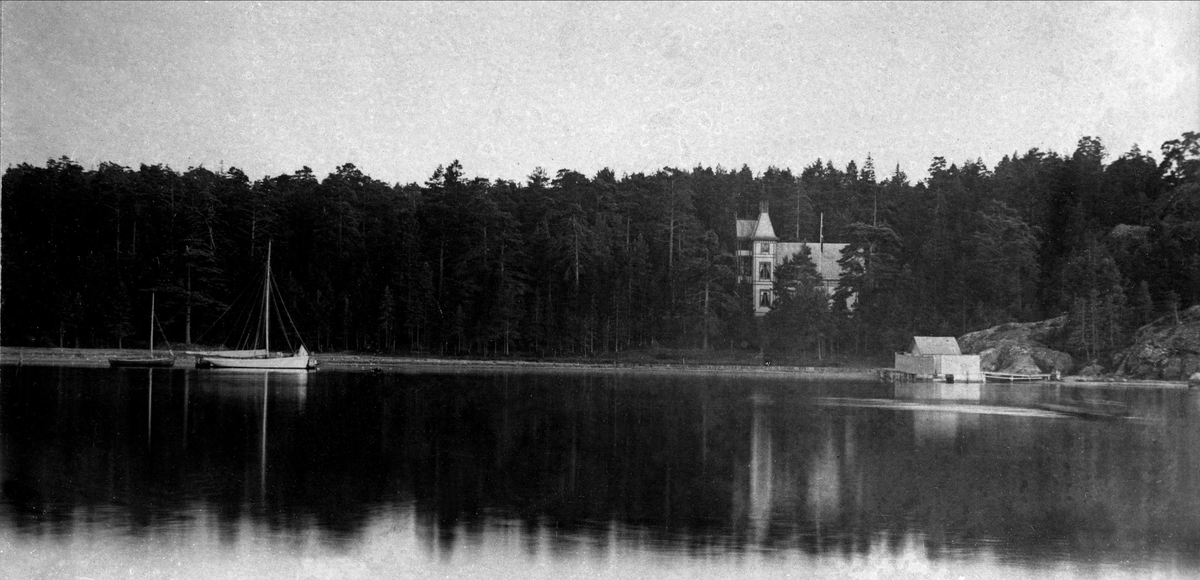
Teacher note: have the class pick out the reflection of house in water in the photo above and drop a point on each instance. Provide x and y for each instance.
(941, 426)
(825, 482)
(938, 391)
(761, 469)
(938, 357)
(799, 480)
(934, 424)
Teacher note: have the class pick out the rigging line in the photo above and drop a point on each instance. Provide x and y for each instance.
(248, 309)
(164, 336)
(254, 307)
(232, 335)
(277, 299)
(262, 316)
(243, 341)
(219, 318)
(235, 336)
(283, 306)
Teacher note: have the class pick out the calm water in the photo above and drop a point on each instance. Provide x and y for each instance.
(205, 474)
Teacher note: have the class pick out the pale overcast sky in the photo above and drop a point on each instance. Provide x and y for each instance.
(399, 88)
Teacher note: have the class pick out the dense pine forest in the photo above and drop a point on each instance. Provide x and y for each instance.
(570, 265)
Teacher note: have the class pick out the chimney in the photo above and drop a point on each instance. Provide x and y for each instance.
(763, 207)
(821, 237)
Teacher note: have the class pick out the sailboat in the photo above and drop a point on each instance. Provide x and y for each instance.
(258, 359)
(149, 360)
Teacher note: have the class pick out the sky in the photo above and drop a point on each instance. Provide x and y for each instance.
(398, 89)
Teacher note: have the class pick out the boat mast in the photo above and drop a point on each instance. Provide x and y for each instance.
(152, 324)
(267, 301)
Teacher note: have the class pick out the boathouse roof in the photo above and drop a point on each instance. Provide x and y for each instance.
(934, 345)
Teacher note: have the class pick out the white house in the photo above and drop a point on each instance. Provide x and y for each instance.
(759, 251)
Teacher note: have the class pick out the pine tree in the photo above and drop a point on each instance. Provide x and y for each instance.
(387, 319)
(800, 313)
(1142, 310)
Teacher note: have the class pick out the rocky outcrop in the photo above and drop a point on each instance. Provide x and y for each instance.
(1019, 348)
(1164, 350)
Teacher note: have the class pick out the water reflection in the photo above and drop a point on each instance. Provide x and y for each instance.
(554, 472)
(761, 467)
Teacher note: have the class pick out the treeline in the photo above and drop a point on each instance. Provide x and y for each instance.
(568, 264)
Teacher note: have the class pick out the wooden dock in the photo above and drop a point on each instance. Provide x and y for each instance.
(896, 376)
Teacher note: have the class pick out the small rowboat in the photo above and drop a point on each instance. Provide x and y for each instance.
(1014, 378)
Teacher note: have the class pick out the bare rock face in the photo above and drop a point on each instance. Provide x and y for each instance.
(1019, 348)
(1164, 350)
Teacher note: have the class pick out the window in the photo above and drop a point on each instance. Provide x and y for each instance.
(764, 270)
(765, 248)
(764, 299)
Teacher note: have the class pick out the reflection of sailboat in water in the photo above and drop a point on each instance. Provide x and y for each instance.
(255, 358)
(262, 466)
(149, 360)
(150, 408)
(289, 388)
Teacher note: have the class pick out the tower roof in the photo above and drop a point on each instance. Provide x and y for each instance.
(763, 230)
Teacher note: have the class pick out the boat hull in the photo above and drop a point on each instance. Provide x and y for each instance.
(1015, 378)
(143, 362)
(299, 362)
(259, 353)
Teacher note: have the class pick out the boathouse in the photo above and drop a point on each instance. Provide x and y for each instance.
(939, 358)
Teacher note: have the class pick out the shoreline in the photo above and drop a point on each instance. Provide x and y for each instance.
(98, 358)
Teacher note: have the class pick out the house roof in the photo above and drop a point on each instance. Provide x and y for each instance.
(745, 228)
(824, 258)
(934, 345)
